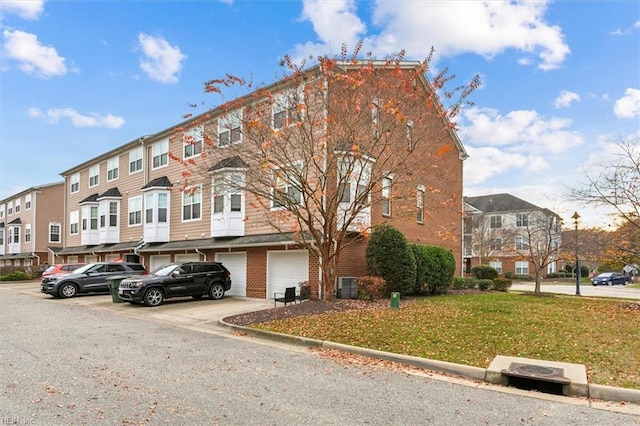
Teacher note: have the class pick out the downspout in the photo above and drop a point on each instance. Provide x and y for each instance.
(204, 256)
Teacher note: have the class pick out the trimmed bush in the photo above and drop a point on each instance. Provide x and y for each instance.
(440, 266)
(15, 276)
(390, 258)
(418, 254)
(485, 284)
(370, 287)
(484, 272)
(521, 277)
(508, 275)
(459, 283)
(501, 284)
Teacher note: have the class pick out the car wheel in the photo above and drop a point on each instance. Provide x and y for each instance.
(609, 283)
(68, 290)
(153, 297)
(216, 291)
(197, 296)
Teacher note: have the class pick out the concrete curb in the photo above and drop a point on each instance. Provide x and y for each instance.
(600, 392)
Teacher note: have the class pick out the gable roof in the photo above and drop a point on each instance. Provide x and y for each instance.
(498, 203)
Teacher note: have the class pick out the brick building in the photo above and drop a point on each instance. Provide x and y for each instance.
(31, 226)
(144, 201)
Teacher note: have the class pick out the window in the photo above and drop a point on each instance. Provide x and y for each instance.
(192, 143)
(496, 244)
(135, 211)
(90, 218)
(230, 187)
(496, 222)
(27, 202)
(522, 267)
(387, 183)
(54, 232)
(109, 214)
(1, 211)
(497, 265)
(94, 175)
(135, 160)
(353, 188)
(18, 206)
(230, 129)
(410, 135)
(27, 233)
(113, 165)
(160, 153)
(75, 182)
(1, 238)
(420, 204)
(191, 203)
(161, 208)
(10, 208)
(14, 235)
(285, 108)
(521, 243)
(522, 220)
(74, 222)
(375, 117)
(285, 191)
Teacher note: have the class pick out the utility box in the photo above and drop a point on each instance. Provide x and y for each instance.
(395, 300)
(347, 288)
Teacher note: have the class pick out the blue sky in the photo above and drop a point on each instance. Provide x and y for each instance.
(559, 79)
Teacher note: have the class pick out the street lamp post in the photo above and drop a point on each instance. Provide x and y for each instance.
(575, 218)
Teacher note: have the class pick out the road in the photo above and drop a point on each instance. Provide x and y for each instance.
(76, 361)
(617, 291)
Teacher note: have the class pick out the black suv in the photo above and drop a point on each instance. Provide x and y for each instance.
(89, 278)
(193, 279)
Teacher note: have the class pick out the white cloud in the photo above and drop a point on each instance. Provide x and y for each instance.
(518, 131)
(161, 62)
(26, 9)
(566, 98)
(323, 15)
(486, 162)
(32, 56)
(53, 116)
(628, 106)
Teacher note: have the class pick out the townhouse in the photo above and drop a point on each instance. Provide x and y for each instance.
(506, 232)
(183, 193)
(31, 227)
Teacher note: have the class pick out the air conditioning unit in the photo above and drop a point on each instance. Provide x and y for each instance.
(347, 288)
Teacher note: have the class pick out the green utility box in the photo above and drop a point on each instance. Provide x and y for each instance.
(395, 300)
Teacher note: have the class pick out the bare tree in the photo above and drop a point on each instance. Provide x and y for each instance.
(317, 150)
(617, 185)
(485, 241)
(538, 239)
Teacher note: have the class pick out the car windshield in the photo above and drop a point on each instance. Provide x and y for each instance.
(605, 275)
(49, 269)
(165, 270)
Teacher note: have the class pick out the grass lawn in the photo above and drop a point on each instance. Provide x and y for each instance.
(472, 329)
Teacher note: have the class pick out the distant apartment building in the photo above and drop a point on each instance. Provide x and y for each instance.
(31, 226)
(132, 203)
(505, 232)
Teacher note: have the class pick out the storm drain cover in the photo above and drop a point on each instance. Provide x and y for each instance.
(536, 372)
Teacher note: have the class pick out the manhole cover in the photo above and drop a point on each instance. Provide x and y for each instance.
(536, 372)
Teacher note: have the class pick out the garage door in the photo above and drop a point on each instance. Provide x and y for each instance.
(236, 263)
(286, 269)
(158, 261)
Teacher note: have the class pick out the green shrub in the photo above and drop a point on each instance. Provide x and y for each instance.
(484, 272)
(420, 268)
(16, 276)
(440, 266)
(390, 258)
(485, 284)
(471, 283)
(508, 275)
(370, 287)
(501, 284)
(459, 283)
(522, 277)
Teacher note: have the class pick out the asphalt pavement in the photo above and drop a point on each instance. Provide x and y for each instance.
(89, 360)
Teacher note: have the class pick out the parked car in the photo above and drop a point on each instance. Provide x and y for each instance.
(90, 278)
(61, 268)
(177, 279)
(610, 278)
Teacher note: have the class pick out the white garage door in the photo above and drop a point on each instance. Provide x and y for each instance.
(236, 263)
(192, 257)
(157, 261)
(286, 269)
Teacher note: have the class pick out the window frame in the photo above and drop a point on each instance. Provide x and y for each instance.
(17, 205)
(287, 108)
(495, 221)
(74, 222)
(113, 168)
(518, 265)
(285, 187)
(27, 233)
(94, 175)
(191, 197)
(74, 183)
(130, 211)
(420, 204)
(53, 225)
(135, 160)
(160, 151)
(230, 124)
(386, 194)
(27, 202)
(522, 220)
(192, 141)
